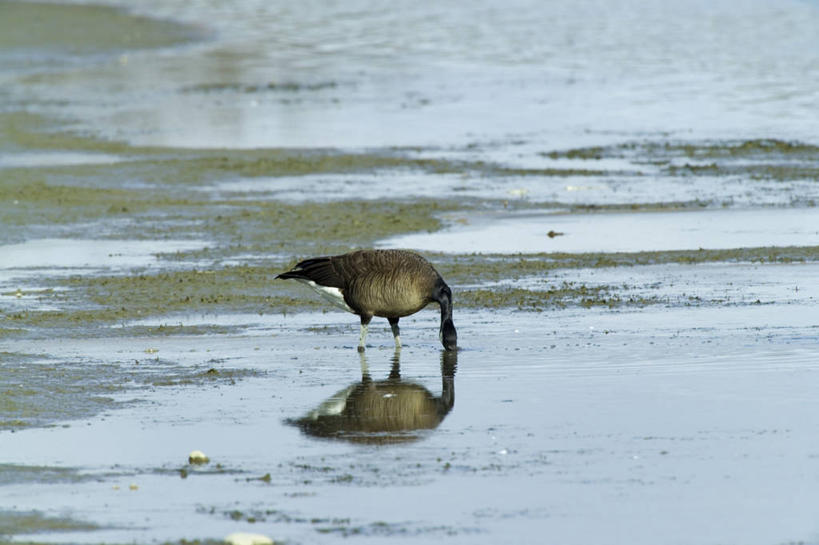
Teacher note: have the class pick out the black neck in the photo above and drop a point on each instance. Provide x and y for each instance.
(446, 308)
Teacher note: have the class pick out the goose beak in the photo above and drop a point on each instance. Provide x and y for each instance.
(448, 335)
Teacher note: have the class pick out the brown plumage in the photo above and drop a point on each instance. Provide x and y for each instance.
(387, 283)
(383, 411)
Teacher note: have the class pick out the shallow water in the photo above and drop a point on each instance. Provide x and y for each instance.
(620, 232)
(93, 254)
(644, 398)
(716, 283)
(606, 185)
(61, 158)
(563, 427)
(29, 262)
(359, 75)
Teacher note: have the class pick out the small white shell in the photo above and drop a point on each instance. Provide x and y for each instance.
(244, 538)
(198, 457)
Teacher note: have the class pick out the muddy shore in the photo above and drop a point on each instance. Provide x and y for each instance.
(600, 393)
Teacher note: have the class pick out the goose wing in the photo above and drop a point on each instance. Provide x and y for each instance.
(319, 270)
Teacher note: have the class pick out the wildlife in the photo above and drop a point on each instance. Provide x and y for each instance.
(383, 411)
(386, 283)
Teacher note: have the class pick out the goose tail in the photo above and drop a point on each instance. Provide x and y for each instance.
(318, 269)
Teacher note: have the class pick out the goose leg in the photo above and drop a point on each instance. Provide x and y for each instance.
(394, 326)
(395, 371)
(365, 369)
(365, 322)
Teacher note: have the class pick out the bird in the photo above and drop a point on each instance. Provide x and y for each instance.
(386, 283)
(383, 411)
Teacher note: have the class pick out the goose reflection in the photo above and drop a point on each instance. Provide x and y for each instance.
(383, 411)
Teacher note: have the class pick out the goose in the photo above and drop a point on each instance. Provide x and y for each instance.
(386, 283)
(383, 411)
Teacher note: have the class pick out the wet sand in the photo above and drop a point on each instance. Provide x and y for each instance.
(634, 288)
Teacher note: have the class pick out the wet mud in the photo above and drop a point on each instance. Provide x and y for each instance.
(602, 375)
(69, 30)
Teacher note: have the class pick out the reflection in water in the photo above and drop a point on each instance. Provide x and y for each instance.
(383, 411)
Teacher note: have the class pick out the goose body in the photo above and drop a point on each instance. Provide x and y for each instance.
(383, 411)
(386, 283)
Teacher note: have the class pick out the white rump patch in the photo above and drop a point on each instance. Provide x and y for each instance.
(333, 406)
(330, 294)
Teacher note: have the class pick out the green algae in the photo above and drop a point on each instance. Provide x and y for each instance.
(53, 196)
(768, 159)
(649, 150)
(16, 523)
(476, 268)
(30, 475)
(39, 394)
(155, 194)
(277, 226)
(565, 295)
(95, 300)
(29, 131)
(151, 191)
(553, 172)
(31, 200)
(84, 29)
(158, 193)
(807, 171)
(332, 525)
(285, 86)
(663, 206)
(747, 148)
(38, 391)
(194, 377)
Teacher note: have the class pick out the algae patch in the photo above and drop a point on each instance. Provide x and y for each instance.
(340, 526)
(562, 296)
(89, 301)
(477, 268)
(280, 86)
(84, 29)
(41, 393)
(755, 159)
(22, 474)
(195, 377)
(18, 523)
(153, 193)
(651, 150)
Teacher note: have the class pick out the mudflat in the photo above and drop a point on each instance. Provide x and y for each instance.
(635, 301)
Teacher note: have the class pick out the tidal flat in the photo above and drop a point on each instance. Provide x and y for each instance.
(634, 293)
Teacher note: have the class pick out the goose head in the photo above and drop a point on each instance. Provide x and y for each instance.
(447, 333)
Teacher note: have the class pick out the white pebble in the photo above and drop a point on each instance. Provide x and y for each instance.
(244, 538)
(198, 457)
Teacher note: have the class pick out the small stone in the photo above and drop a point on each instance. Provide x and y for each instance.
(198, 457)
(244, 538)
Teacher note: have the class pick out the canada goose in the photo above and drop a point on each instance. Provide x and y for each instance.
(386, 283)
(383, 411)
